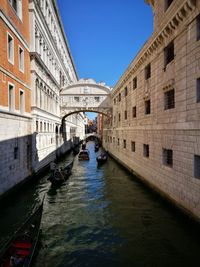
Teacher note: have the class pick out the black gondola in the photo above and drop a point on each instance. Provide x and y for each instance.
(96, 147)
(75, 150)
(59, 176)
(19, 250)
(102, 158)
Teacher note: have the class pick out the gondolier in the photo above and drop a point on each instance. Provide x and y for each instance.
(53, 166)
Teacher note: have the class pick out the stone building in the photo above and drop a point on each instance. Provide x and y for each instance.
(155, 129)
(15, 94)
(52, 68)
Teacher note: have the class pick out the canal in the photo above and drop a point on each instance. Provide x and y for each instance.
(103, 216)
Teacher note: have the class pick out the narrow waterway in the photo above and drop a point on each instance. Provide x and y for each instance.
(103, 216)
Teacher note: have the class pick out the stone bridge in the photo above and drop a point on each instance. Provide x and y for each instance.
(85, 96)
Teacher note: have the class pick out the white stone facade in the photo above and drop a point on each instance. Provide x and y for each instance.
(85, 95)
(52, 68)
(155, 129)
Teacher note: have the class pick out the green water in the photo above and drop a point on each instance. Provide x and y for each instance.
(103, 217)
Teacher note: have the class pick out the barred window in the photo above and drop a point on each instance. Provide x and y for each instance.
(124, 143)
(146, 150)
(16, 152)
(126, 91)
(134, 112)
(198, 90)
(169, 99)
(168, 157)
(147, 106)
(168, 54)
(135, 83)
(97, 98)
(76, 98)
(133, 146)
(198, 27)
(147, 71)
(197, 166)
(125, 114)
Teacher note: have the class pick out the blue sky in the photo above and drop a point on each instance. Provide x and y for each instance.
(105, 35)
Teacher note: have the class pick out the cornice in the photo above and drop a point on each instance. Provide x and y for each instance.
(156, 40)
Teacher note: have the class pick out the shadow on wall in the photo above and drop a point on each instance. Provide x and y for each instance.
(20, 159)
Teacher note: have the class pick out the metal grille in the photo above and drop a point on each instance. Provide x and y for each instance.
(168, 157)
(169, 99)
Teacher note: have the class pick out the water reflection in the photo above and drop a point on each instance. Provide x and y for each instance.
(102, 216)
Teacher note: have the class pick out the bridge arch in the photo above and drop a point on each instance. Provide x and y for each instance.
(85, 96)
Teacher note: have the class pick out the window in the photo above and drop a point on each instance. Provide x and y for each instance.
(119, 97)
(114, 101)
(16, 152)
(11, 97)
(134, 112)
(37, 126)
(124, 143)
(21, 101)
(168, 54)
(197, 166)
(10, 49)
(135, 83)
(40, 126)
(126, 91)
(133, 146)
(147, 107)
(21, 59)
(147, 71)
(198, 90)
(17, 6)
(118, 141)
(168, 157)
(146, 151)
(198, 27)
(125, 114)
(167, 4)
(76, 98)
(86, 91)
(119, 116)
(96, 98)
(169, 99)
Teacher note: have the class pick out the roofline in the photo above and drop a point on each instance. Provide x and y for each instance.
(64, 35)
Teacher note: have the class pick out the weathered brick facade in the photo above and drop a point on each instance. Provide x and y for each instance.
(155, 128)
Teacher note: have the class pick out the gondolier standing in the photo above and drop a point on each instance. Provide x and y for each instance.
(53, 166)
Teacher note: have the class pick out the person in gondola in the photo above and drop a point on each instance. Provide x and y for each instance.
(53, 166)
(16, 261)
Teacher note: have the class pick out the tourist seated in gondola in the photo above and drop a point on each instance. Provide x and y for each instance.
(16, 261)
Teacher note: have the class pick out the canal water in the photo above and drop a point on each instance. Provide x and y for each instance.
(103, 216)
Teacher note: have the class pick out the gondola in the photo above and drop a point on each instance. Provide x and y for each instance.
(75, 150)
(84, 155)
(102, 158)
(96, 147)
(59, 176)
(19, 250)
